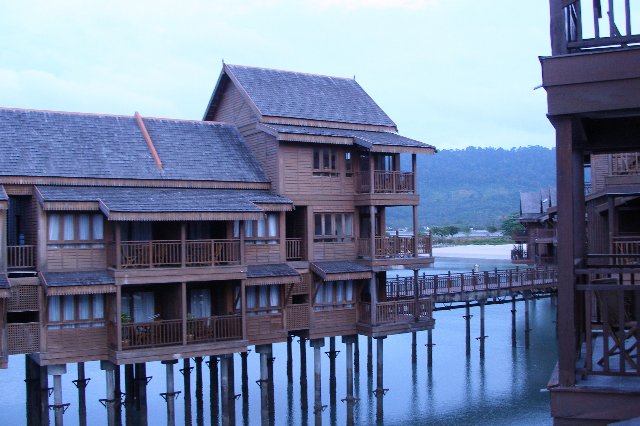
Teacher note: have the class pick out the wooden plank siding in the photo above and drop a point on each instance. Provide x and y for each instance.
(298, 178)
(76, 259)
(334, 250)
(333, 322)
(73, 343)
(234, 108)
(599, 170)
(262, 253)
(265, 148)
(265, 328)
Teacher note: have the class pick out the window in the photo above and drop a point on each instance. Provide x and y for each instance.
(333, 226)
(324, 162)
(334, 294)
(81, 311)
(263, 231)
(348, 164)
(199, 303)
(69, 230)
(139, 306)
(262, 299)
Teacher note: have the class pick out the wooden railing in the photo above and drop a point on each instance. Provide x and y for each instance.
(400, 311)
(626, 250)
(394, 246)
(168, 253)
(295, 249)
(571, 32)
(214, 329)
(403, 287)
(21, 257)
(385, 182)
(627, 163)
(152, 334)
(610, 340)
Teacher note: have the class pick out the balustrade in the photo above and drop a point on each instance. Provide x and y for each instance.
(153, 254)
(385, 182)
(21, 257)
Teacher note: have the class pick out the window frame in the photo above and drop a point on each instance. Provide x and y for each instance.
(324, 161)
(334, 303)
(330, 233)
(254, 225)
(76, 322)
(75, 242)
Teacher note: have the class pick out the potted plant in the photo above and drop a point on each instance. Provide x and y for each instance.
(125, 318)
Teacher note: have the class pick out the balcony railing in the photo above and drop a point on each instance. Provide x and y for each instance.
(625, 164)
(295, 249)
(214, 329)
(152, 334)
(572, 31)
(610, 345)
(21, 257)
(394, 246)
(400, 311)
(168, 253)
(385, 182)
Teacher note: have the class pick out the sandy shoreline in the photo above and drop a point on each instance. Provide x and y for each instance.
(502, 251)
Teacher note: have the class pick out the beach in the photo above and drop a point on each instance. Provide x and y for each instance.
(502, 251)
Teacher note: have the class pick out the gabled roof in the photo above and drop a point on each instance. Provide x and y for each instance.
(535, 205)
(74, 145)
(298, 95)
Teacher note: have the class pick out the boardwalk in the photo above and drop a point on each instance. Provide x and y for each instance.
(473, 286)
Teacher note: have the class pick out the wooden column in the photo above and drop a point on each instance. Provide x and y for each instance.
(118, 302)
(372, 232)
(3, 240)
(118, 246)
(570, 240)
(183, 244)
(309, 234)
(611, 204)
(557, 28)
(42, 239)
(371, 174)
(282, 236)
(415, 231)
(373, 291)
(183, 310)
(243, 261)
(243, 307)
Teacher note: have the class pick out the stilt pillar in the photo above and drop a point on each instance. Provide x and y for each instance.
(214, 397)
(171, 394)
(266, 352)
(369, 355)
(467, 318)
(81, 383)
(349, 341)
(526, 321)
(289, 360)
(482, 335)
(110, 400)
(380, 390)
(141, 391)
(58, 406)
(318, 408)
(429, 347)
(514, 339)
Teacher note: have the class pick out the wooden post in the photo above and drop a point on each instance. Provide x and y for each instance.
(43, 236)
(3, 240)
(557, 28)
(416, 290)
(118, 247)
(118, 302)
(243, 307)
(414, 170)
(183, 244)
(243, 260)
(373, 290)
(183, 310)
(372, 232)
(309, 233)
(282, 236)
(415, 231)
(371, 174)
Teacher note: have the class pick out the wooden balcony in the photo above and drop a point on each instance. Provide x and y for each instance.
(214, 329)
(295, 249)
(576, 26)
(385, 182)
(21, 257)
(390, 247)
(175, 254)
(151, 334)
(624, 164)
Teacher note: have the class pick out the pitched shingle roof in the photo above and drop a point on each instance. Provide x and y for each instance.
(363, 138)
(308, 96)
(58, 144)
(123, 199)
(59, 279)
(271, 270)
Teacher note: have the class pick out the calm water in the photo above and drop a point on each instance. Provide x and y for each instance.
(503, 388)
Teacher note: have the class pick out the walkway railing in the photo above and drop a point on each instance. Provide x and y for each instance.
(152, 334)
(403, 287)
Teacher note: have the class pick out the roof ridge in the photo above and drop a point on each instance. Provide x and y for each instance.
(96, 114)
(292, 72)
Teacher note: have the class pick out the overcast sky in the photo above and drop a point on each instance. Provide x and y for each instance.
(453, 73)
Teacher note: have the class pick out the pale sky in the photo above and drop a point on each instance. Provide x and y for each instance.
(452, 73)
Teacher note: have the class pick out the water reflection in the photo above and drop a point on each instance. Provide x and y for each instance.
(452, 385)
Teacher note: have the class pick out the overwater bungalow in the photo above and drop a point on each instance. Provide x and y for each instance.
(128, 239)
(592, 81)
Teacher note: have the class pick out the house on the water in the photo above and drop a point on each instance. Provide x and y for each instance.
(592, 81)
(129, 239)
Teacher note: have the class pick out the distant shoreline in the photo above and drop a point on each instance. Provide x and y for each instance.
(502, 251)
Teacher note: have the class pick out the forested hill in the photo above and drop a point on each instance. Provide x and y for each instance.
(478, 186)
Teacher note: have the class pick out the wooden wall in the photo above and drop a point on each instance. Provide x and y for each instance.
(68, 342)
(341, 320)
(262, 253)
(599, 170)
(298, 178)
(265, 327)
(333, 251)
(265, 148)
(76, 259)
(233, 108)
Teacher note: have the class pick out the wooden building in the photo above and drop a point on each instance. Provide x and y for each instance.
(536, 245)
(592, 81)
(128, 239)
